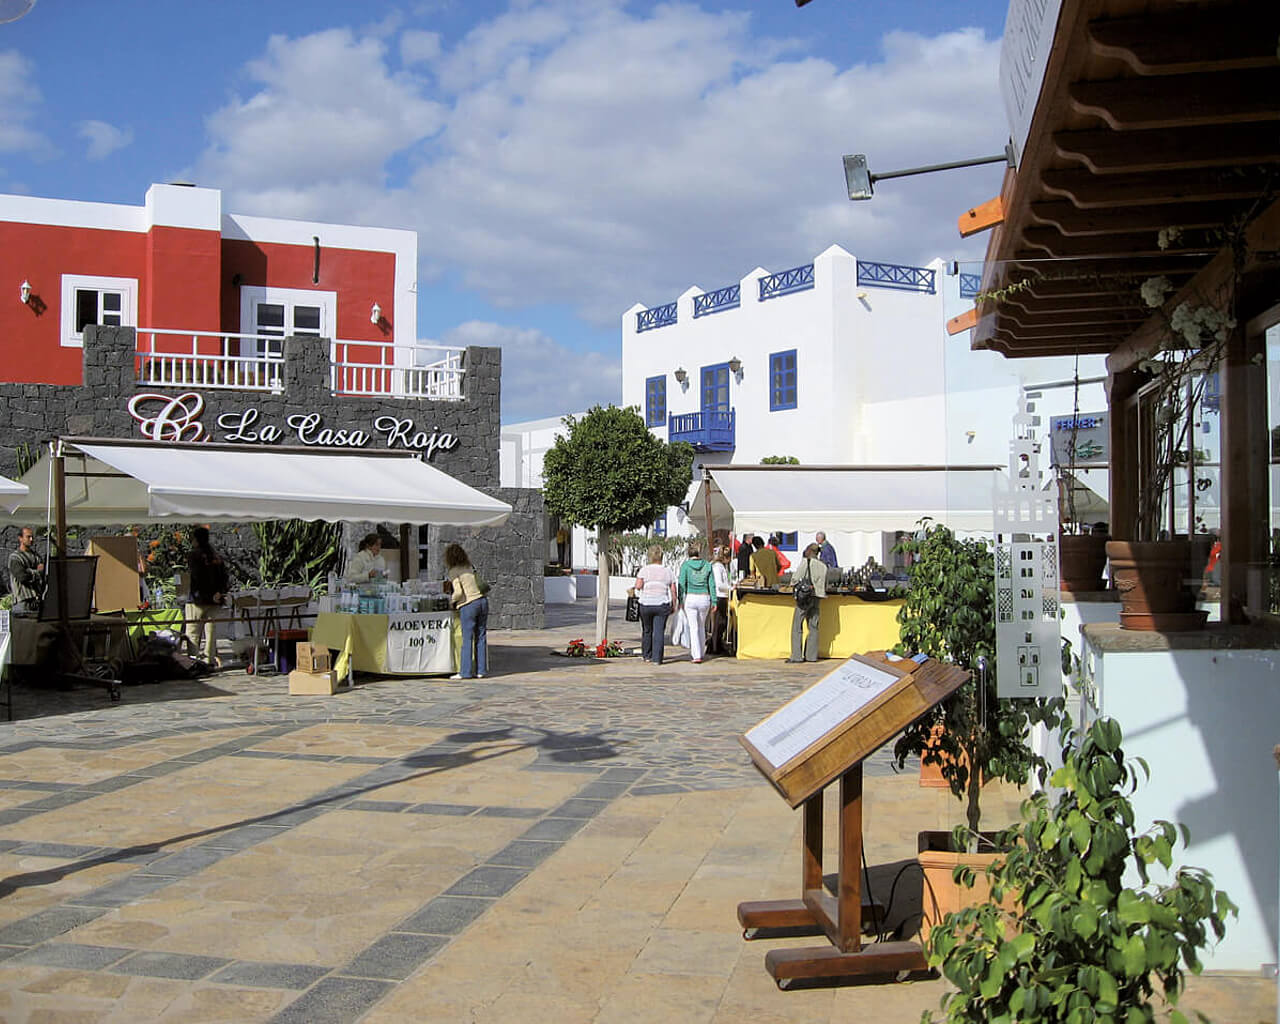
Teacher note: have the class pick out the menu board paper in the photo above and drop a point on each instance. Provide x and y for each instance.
(825, 705)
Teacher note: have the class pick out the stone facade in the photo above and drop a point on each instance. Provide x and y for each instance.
(33, 414)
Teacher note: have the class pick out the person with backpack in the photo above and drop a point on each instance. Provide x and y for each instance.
(809, 587)
(209, 585)
(695, 587)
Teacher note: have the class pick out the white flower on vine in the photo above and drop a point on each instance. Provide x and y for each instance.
(1168, 236)
(1155, 289)
(1197, 324)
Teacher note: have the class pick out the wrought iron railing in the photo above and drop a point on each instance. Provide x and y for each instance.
(708, 430)
(970, 285)
(797, 279)
(205, 359)
(378, 368)
(895, 275)
(720, 299)
(659, 316)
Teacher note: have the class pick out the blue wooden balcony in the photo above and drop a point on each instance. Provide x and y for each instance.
(710, 431)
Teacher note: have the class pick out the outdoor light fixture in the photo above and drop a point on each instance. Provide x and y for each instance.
(375, 314)
(860, 181)
(24, 292)
(681, 375)
(735, 364)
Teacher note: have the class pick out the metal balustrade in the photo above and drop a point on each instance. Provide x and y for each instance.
(718, 300)
(371, 368)
(659, 316)
(204, 359)
(712, 430)
(970, 285)
(895, 275)
(797, 279)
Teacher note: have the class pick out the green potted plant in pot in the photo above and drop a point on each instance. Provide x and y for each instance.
(1082, 551)
(1065, 937)
(1151, 567)
(949, 613)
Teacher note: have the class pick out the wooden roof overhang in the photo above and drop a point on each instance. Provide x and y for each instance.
(1153, 114)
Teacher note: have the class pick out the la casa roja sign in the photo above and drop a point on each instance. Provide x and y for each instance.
(178, 418)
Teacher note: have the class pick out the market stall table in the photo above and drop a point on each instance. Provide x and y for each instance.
(849, 624)
(402, 643)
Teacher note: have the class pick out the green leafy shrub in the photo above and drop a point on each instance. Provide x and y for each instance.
(1079, 946)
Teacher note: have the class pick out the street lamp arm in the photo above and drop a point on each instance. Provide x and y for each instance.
(860, 181)
(998, 158)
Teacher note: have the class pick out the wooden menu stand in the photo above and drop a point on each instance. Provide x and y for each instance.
(821, 735)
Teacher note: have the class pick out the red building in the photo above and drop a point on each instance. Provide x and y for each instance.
(211, 293)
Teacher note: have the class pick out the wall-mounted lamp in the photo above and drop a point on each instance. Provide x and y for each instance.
(24, 292)
(375, 314)
(860, 182)
(735, 365)
(862, 296)
(681, 375)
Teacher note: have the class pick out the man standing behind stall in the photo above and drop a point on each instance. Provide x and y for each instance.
(764, 563)
(26, 573)
(826, 553)
(209, 583)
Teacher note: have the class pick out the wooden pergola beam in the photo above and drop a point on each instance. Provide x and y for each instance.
(1070, 220)
(1143, 243)
(1173, 101)
(1195, 39)
(1088, 191)
(1111, 152)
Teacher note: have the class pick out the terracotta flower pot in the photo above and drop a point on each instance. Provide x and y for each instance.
(1150, 577)
(1081, 558)
(942, 895)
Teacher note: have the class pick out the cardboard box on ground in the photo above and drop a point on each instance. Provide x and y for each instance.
(312, 658)
(310, 684)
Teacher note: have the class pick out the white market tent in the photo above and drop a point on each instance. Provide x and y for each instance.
(762, 499)
(127, 481)
(12, 493)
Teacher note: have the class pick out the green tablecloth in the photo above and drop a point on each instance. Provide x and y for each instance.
(149, 620)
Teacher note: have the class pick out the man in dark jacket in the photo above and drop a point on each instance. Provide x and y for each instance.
(208, 593)
(26, 573)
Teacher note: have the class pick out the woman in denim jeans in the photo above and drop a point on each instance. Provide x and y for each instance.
(656, 589)
(473, 613)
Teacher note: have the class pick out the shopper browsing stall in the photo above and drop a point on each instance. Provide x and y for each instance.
(696, 586)
(209, 584)
(764, 563)
(809, 580)
(467, 595)
(720, 613)
(656, 590)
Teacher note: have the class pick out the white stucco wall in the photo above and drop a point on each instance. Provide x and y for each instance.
(1205, 721)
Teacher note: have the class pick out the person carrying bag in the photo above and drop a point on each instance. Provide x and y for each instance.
(809, 586)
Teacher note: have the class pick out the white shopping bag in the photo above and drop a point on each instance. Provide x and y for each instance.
(679, 629)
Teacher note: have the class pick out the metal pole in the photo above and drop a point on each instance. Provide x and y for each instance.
(1001, 158)
(706, 495)
(60, 520)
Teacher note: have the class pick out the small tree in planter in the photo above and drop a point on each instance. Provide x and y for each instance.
(949, 614)
(1077, 944)
(609, 472)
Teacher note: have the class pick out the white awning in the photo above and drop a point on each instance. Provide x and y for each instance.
(763, 499)
(12, 493)
(129, 482)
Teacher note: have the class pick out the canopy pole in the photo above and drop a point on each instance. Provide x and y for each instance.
(706, 496)
(60, 525)
(404, 553)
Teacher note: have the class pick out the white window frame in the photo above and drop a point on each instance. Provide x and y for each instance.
(253, 294)
(71, 283)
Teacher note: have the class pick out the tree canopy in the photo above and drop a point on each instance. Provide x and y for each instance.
(608, 471)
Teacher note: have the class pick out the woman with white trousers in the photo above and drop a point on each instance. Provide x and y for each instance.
(696, 586)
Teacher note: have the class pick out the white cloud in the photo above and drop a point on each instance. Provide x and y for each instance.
(417, 46)
(539, 373)
(103, 138)
(19, 103)
(574, 152)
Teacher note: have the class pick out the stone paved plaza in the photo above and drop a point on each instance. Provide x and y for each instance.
(561, 842)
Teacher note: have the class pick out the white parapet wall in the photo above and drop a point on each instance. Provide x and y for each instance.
(1202, 710)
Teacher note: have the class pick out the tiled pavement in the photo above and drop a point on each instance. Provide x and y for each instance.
(564, 841)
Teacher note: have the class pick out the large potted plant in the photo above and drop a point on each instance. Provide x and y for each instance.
(1082, 550)
(949, 613)
(1065, 937)
(1152, 566)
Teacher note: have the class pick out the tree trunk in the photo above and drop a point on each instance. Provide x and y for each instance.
(603, 538)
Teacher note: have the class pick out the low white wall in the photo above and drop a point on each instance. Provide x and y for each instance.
(559, 589)
(586, 584)
(1205, 722)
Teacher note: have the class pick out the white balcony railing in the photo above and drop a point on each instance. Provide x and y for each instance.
(374, 368)
(204, 359)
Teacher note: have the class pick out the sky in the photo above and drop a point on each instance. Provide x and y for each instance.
(561, 160)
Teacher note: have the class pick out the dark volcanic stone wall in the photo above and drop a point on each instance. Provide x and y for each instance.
(33, 414)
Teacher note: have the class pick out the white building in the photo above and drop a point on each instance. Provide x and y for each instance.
(838, 363)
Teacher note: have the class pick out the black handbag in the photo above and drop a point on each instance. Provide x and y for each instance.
(633, 608)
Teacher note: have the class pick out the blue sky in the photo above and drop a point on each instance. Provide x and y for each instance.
(560, 159)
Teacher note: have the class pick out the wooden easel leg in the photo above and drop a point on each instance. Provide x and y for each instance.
(792, 914)
(850, 894)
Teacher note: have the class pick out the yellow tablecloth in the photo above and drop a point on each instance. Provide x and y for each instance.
(361, 641)
(849, 625)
